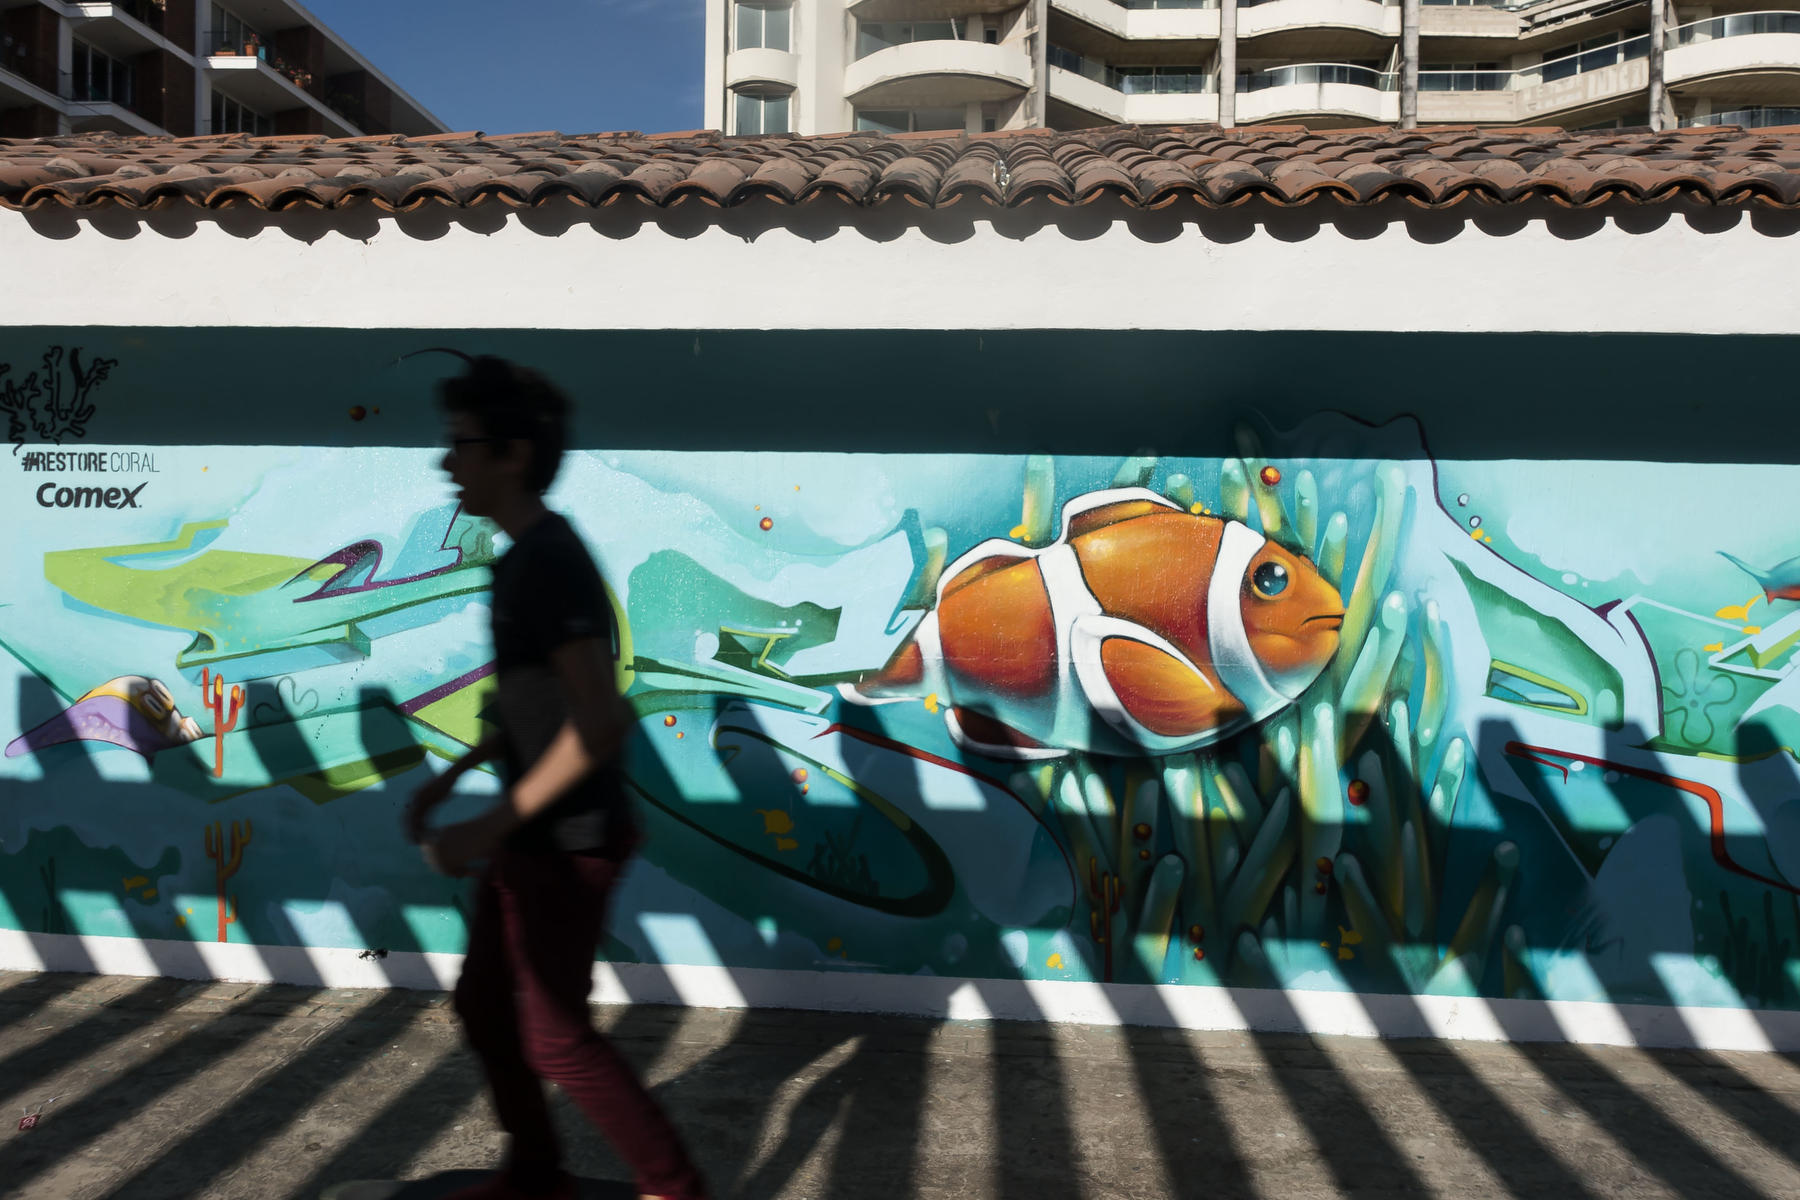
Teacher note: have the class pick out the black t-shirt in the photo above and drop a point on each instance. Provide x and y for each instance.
(547, 592)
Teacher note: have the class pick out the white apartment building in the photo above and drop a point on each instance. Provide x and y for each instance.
(827, 66)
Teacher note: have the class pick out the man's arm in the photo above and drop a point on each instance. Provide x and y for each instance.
(436, 790)
(598, 720)
(485, 751)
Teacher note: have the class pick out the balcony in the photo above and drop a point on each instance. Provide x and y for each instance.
(97, 116)
(1328, 90)
(252, 82)
(1483, 20)
(122, 30)
(938, 72)
(1104, 93)
(1196, 22)
(28, 81)
(1369, 17)
(759, 64)
(1758, 52)
(1749, 118)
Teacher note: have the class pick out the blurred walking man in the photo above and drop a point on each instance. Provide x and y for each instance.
(554, 846)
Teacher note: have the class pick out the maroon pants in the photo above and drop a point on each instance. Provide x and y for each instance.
(522, 997)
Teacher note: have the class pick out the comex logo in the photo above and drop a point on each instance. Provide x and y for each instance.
(51, 496)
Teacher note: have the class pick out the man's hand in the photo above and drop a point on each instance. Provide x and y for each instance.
(455, 848)
(425, 798)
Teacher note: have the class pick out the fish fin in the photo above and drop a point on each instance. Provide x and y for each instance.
(901, 677)
(1763, 580)
(985, 566)
(1134, 678)
(985, 735)
(1111, 514)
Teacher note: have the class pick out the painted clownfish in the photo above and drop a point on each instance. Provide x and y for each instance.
(1141, 629)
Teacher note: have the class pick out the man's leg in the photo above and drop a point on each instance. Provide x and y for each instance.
(556, 911)
(484, 1001)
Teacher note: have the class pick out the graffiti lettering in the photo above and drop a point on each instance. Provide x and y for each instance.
(136, 462)
(51, 496)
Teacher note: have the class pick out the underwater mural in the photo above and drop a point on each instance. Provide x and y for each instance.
(1322, 712)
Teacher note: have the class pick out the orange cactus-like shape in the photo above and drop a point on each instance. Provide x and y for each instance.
(227, 858)
(225, 718)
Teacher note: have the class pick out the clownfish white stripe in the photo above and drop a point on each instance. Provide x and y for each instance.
(1232, 657)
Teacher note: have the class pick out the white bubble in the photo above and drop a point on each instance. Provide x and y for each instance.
(1570, 577)
(1474, 522)
(1463, 499)
(1578, 766)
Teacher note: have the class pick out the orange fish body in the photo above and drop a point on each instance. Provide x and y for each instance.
(1142, 629)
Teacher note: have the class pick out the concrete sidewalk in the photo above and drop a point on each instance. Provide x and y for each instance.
(170, 1089)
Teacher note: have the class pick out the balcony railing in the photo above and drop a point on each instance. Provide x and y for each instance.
(1311, 73)
(1750, 118)
(1597, 58)
(875, 36)
(1735, 25)
(1136, 81)
(39, 72)
(1465, 81)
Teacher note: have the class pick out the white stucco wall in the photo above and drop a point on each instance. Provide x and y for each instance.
(1714, 273)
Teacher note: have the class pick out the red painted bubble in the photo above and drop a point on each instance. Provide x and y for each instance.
(1199, 954)
(1140, 831)
(669, 720)
(766, 524)
(799, 774)
(680, 734)
(358, 412)
(1271, 476)
(1196, 933)
(1143, 856)
(1319, 887)
(1358, 792)
(1324, 865)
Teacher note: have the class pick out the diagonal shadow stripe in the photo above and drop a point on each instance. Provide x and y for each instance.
(184, 1057)
(260, 1114)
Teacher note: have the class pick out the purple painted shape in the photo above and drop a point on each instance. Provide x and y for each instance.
(95, 719)
(444, 689)
(365, 551)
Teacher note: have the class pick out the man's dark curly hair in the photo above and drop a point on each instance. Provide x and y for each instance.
(513, 402)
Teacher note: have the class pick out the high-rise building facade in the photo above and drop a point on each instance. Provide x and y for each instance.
(824, 66)
(189, 67)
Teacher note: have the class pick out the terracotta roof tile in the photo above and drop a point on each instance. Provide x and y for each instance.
(1142, 165)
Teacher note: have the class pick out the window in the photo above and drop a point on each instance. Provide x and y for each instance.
(1594, 54)
(228, 116)
(879, 35)
(763, 26)
(230, 31)
(904, 120)
(1463, 77)
(762, 112)
(99, 78)
(1140, 81)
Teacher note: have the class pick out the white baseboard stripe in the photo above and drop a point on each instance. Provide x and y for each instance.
(1166, 1005)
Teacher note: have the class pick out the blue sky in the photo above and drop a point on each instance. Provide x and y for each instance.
(511, 66)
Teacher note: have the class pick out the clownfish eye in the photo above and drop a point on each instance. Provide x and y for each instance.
(1270, 580)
